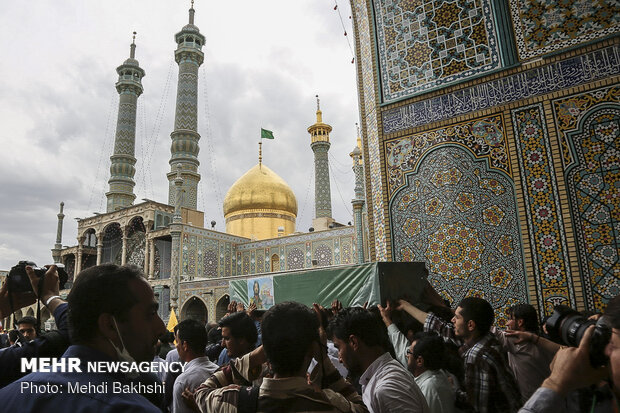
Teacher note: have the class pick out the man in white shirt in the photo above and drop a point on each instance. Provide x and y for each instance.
(387, 387)
(191, 338)
(424, 359)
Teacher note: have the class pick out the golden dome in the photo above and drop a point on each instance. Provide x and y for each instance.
(260, 189)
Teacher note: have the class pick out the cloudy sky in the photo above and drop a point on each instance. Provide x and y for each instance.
(264, 63)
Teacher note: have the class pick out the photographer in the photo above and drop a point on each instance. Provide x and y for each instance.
(571, 369)
(47, 345)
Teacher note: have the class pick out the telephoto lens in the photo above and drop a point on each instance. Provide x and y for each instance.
(567, 327)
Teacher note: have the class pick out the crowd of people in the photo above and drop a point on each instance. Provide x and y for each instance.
(396, 357)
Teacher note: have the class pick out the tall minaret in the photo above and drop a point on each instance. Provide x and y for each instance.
(319, 134)
(358, 201)
(122, 170)
(184, 148)
(58, 246)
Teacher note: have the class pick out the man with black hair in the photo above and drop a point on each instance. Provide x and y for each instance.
(424, 360)
(528, 359)
(239, 336)
(112, 317)
(489, 383)
(292, 336)
(191, 339)
(361, 339)
(27, 326)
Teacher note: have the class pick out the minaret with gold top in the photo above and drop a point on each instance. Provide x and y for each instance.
(319, 135)
(184, 149)
(122, 169)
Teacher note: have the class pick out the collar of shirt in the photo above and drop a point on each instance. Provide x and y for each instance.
(376, 365)
(425, 376)
(472, 352)
(288, 384)
(197, 361)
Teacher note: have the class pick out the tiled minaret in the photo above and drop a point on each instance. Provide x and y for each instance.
(184, 149)
(358, 201)
(58, 246)
(122, 170)
(319, 135)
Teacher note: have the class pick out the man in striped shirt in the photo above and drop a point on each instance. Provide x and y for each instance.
(292, 337)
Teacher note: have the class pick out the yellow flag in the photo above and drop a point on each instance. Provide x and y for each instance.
(172, 321)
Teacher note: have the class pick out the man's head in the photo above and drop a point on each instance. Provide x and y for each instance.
(256, 288)
(239, 334)
(473, 318)
(612, 313)
(191, 339)
(289, 329)
(113, 308)
(27, 326)
(356, 333)
(425, 353)
(522, 317)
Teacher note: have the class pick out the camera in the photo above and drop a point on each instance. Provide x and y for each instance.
(566, 326)
(18, 281)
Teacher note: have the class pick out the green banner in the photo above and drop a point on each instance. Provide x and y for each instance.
(353, 285)
(266, 134)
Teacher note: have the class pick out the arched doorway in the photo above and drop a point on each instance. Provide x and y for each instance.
(112, 244)
(221, 307)
(195, 309)
(275, 263)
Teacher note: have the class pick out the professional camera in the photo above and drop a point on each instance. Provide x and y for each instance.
(18, 281)
(567, 327)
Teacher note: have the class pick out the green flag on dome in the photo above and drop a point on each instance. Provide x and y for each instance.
(266, 134)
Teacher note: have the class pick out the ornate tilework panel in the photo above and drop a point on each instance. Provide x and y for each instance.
(246, 263)
(210, 263)
(368, 88)
(187, 97)
(485, 137)
(568, 111)
(347, 251)
(544, 219)
(429, 43)
(253, 262)
(323, 255)
(459, 216)
(295, 258)
(594, 188)
(200, 246)
(260, 262)
(125, 140)
(229, 265)
(308, 254)
(574, 71)
(543, 26)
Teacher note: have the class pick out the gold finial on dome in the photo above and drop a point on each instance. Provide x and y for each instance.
(319, 114)
(260, 153)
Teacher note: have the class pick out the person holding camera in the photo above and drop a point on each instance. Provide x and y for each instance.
(45, 289)
(572, 369)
